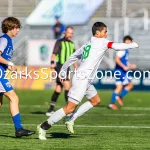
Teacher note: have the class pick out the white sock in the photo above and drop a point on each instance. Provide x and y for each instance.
(82, 109)
(56, 116)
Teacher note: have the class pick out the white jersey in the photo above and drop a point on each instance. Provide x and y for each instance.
(91, 55)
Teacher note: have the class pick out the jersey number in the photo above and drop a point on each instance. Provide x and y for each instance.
(86, 52)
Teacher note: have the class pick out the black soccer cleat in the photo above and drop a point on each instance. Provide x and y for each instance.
(23, 132)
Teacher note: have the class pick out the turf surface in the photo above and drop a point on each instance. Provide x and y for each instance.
(100, 128)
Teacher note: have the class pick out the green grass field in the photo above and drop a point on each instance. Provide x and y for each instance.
(101, 128)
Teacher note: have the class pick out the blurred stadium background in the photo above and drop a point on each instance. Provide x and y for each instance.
(101, 128)
(122, 17)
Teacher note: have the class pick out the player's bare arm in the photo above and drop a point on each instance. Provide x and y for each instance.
(75, 65)
(53, 61)
(132, 66)
(11, 66)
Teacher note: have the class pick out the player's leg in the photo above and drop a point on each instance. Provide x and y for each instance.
(114, 96)
(126, 89)
(55, 117)
(55, 96)
(94, 98)
(16, 117)
(75, 96)
(1, 100)
(56, 93)
(94, 101)
(128, 85)
(67, 86)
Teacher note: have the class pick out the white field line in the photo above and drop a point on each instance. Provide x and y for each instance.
(89, 126)
(136, 108)
(45, 106)
(95, 114)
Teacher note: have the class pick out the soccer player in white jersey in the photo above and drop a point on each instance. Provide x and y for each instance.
(91, 55)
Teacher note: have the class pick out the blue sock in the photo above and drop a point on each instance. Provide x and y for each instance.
(124, 93)
(17, 121)
(113, 98)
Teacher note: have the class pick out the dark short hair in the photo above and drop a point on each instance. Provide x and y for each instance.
(9, 24)
(127, 37)
(98, 26)
(69, 27)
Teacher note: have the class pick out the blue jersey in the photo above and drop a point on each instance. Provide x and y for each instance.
(123, 58)
(122, 78)
(6, 47)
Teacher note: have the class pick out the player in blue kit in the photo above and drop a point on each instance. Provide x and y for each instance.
(10, 28)
(123, 81)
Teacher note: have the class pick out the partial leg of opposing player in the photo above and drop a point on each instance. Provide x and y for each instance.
(67, 86)
(114, 97)
(126, 89)
(16, 117)
(55, 96)
(1, 101)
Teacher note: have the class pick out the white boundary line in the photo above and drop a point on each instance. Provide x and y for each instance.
(89, 126)
(136, 108)
(45, 106)
(94, 114)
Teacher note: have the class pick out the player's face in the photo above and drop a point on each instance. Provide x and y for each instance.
(128, 41)
(14, 32)
(103, 33)
(69, 33)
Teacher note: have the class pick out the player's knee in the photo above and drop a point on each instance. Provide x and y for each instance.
(67, 86)
(1, 105)
(95, 102)
(14, 99)
(98, 101)
(118, 89)
(131, 85)
(58, 89)
(70, 110)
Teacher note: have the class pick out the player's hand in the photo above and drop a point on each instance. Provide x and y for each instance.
(62, 80)
(53, 74)
(133, 66)
(125, 68)
(52, 66)
(9, 68)
(62, 76)
(23, 76)
(12, 68)
(137, 44)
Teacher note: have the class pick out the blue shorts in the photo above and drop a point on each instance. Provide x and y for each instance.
(5, 86)
(123, 78)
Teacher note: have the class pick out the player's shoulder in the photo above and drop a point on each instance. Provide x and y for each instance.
(71, 42)
(105, 40)
(59, 40)
(101, 40)
(3, 40)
